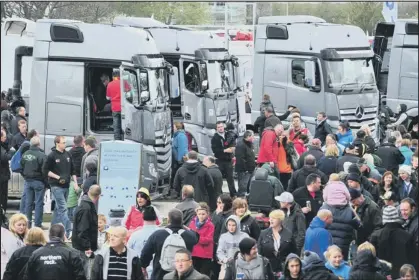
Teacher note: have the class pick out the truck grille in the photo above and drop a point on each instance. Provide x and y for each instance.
(356, 119)
(163, 147)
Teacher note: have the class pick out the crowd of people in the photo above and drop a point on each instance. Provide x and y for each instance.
(338, 207)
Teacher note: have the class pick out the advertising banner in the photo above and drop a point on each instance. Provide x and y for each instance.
(119, 177)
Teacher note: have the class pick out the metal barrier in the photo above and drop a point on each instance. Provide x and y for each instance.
(16, 185)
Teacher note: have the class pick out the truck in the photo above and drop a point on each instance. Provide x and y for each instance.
(317, 67)
(208, 77)
(396, 64)
(16, 32)
(70, 58)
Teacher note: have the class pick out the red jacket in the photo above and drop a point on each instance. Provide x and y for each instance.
(298, 143)
(268, 151)
(113, 91)
(205, 247)
(135, 219)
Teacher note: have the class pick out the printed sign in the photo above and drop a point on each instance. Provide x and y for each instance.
(119, 177)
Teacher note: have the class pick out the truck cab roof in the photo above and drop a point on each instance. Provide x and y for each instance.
(76, 39)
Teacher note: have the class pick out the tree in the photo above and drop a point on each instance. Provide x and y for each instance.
(364, 14)
(189, 13)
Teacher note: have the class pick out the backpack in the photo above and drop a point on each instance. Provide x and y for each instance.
(15, 161)
(171, 245)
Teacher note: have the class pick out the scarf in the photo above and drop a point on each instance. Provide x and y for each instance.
(199, 224)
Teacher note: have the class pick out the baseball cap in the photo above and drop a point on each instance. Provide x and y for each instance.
(285, 197)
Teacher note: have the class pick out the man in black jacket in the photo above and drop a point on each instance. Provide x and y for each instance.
(195, 174)
(32, 162)
(390, 155)
(20, 136)
(85, 228)
(217, 178)
(322, 128)
(77, 153)
(298, 178)
(60, 170)
(55, 260)
(117, 260)
(153, 248)
(245, 162)
(315, 149)
(223, 152)
(20, 116)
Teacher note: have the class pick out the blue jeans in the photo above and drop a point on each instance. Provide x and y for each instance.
(35, 191)
(71, 213)
(117, 126)
(22, 205)
(60, 214)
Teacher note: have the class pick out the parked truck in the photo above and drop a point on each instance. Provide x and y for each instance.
(396, 64)
(316, 66)
(208, 78)
(69, 59)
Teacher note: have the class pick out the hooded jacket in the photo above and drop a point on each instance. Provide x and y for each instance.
(315, 269)
(77, 154)
(59, 163)
(268, 151)
(371, 220)
(366, 266)
(228, 244)
(318, 239)
(287, 273)
(257, 268)
(391, 157)
(249, 225)
(195, 174)
(217, 178)
(295, 221)
(179, 145)
(85, 226)
(322, 130)
(32, 162)
(341, 271)
(343, 226)
(328, 165)
(407, 153)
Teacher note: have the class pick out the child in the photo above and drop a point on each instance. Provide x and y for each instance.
(335, 192)
(228, 243)
(72, 200)
(335, 262)
(101, 236)
(203, 251)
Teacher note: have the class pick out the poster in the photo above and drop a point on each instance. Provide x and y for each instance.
(119, 177)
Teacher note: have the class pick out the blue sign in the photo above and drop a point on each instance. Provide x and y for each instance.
(119, 177)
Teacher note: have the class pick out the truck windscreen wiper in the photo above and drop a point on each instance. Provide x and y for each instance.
(364, 85)
(342, 87)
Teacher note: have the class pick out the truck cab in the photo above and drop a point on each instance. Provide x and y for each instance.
(72, 62)
(208, 78)
(316, 66)
(396, 64)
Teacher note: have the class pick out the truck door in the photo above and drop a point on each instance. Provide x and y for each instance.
(130, 100)
(192, 105)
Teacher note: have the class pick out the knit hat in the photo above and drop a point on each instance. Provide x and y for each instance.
(246, 245)
(374, 174)
(354, 168)
(390, 215)
(149, 214)
(309, 257)
(285, 197)
(354, 177)
(336, 193)
(355, 193)
(405, 169)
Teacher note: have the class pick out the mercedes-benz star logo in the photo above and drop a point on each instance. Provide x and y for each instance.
(359, 112)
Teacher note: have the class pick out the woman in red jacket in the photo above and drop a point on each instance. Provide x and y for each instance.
(133, 219)
(203, 251)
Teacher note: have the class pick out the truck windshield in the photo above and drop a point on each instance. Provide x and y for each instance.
(220, 75)
(159, 85)
(349, 71)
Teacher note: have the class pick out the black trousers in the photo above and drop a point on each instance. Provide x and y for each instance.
(203, 266)
(175, 168)
(285, 178)
(226, 168)
(216, 268)
(4, 192)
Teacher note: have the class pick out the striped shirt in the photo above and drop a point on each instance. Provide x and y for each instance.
(117, 269)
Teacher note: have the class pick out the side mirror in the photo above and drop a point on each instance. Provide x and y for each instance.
(174, 83)
(310, 73)
(238, 77)
(203, 76)
(204, 85)
(144, 96)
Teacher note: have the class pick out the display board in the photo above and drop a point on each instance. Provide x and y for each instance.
(119, 177)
